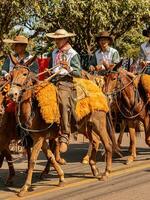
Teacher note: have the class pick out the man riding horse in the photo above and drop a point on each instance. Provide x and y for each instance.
(67, 63)
(19, 45)
(144, 55)
(20, 57)
(105, 57)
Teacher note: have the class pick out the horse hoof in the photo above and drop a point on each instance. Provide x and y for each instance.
(21, 193)
(23, 190)
(61, 184)
(85, 162)
(103, 178)
(129, 161)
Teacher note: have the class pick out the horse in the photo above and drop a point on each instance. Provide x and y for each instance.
(95, 123)
(7, 133)
(126, 92)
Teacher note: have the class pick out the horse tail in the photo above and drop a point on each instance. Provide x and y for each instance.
(111, 132)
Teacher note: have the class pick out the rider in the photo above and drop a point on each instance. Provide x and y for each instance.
(67, 60)
(19, 45)
(105, 57)
(144, 56)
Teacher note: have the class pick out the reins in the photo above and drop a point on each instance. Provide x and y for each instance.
(114, 94)
(27, 129)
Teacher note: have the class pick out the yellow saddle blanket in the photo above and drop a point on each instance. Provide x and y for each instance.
(89, 98)
(46, 95)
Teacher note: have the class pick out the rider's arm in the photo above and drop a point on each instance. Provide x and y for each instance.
(115, 57)
(34, 67)
(76, 66)
(92, 63)
(142, 54)
(5, 67)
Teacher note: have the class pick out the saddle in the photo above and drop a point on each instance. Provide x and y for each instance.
(89, 98)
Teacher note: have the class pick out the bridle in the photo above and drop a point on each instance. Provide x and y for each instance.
(115, 95)
(23, 89)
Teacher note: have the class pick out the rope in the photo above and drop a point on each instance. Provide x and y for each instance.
(133, 116)
(118, 91)
(30, 130)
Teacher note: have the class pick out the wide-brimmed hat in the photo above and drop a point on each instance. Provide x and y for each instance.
(146, 32)
(19, 39)
(60, 33)
(104, 34)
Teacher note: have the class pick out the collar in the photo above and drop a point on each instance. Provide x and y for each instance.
(107, 50)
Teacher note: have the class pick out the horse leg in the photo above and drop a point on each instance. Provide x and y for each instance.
(28, 151)
(54, 146)
(52, 159)
(122, 128)
(60, 160)
(48, 164)
(147, 129)
(11, 175)
(37, 144)
(86, 158)
(46, 169)
(132, 134)
(94, 141)
(99, 127)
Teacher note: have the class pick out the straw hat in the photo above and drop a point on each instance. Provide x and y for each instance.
(146, 32)
(104, 34)
(20, 39)
(60, 33)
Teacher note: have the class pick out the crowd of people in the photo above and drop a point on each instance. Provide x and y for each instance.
(65, 61)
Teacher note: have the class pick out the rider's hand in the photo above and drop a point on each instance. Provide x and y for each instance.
(91, 68)
(105, 63)
(99, 67)
(7, 77)
(65, 64)
(143, 63)
(48, 72)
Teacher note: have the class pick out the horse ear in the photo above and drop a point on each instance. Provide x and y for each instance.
(118, 65)
(13, 59)
(30, 61)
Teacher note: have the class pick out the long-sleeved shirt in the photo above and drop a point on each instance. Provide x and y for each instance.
(145, 51)
(73, 59)
(8, 64)
(111, 55)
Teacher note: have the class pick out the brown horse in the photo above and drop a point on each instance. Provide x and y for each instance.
(7, 133)
(95, 123)
(130, 101)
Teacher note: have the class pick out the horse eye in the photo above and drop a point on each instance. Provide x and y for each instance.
(24, 74)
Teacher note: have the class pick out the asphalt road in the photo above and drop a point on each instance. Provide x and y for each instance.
(125, 183)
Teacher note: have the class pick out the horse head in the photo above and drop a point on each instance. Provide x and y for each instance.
(111, 78)
(21, 77)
